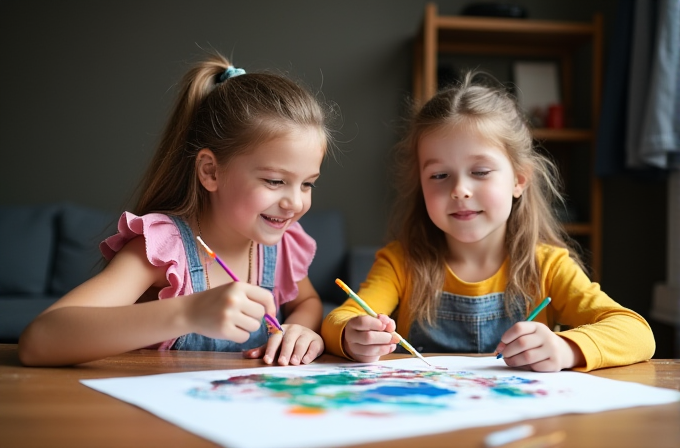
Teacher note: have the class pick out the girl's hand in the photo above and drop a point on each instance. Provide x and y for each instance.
(230, 311)
(534, 346)
(298, 345)
(367, 338)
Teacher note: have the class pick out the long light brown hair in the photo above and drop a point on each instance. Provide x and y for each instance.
(228, 117)
(481, 103)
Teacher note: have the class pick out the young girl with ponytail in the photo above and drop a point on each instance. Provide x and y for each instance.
(236, 165)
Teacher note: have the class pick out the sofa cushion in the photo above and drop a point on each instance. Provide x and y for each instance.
(77, 257)
(16, 312)
(327, 227)
(26, 247)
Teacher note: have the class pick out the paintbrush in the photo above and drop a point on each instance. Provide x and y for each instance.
(403, 342)
(271, 322)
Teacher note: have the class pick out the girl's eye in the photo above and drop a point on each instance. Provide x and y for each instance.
(439, 176)
(274, 182)
(309, 185)
(481, 173)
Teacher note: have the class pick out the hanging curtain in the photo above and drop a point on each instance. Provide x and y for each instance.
(654, 86)
(639, 128)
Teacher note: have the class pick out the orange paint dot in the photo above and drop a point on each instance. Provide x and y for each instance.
(300, 410)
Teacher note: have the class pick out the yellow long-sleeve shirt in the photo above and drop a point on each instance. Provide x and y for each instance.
(607, 333)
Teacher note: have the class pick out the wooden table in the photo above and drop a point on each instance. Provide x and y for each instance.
(48, 407)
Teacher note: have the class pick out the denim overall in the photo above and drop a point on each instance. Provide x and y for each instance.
(465, 325)
(197, 342)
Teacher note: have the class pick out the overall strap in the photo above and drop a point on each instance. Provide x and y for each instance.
(193, 257)
(268, 267)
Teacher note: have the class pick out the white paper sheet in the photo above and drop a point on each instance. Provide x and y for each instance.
(329, 405)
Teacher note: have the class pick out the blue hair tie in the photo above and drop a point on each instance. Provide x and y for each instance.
(231, 72)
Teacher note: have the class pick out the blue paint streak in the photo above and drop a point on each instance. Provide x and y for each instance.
(510, 391)
(412, 389)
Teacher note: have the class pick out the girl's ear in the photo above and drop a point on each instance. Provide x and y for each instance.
(206, 168)
(521, 182)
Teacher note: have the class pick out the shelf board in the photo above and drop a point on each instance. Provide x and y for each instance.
(578, 228)
(563, 135)
(465, 34)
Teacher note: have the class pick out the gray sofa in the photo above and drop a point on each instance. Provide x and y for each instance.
(47, 250)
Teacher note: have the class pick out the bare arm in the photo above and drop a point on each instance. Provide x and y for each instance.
(99, 318)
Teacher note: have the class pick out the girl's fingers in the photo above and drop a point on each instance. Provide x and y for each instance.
(372, 350)
(374, 338)
(527, 357)
(522, 345)
(271, 347)
(366, 323)
(237, 335)
(252, 309)
(301, 348)
(366, 337)
(518, 330)
(259, 300)
(287, 346)
(314, 350)
(374, 354)
(254, 353)
(390, 325)
(246, 323)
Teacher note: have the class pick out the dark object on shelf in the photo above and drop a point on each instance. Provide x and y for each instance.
(489, 9)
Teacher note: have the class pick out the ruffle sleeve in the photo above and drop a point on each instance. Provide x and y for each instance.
(294, 255)
(163, 248)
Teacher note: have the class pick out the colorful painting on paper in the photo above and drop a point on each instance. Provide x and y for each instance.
(331, 405)
(372, 390)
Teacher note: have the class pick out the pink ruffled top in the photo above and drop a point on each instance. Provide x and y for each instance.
(164, 247)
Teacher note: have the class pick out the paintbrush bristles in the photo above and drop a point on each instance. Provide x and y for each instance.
(205, 246)
(273, 322)
(413, 351)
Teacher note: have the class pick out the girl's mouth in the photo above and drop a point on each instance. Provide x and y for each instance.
(465, 215)
(275, 222)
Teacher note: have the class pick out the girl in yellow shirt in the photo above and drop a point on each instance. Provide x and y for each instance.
(478, 246)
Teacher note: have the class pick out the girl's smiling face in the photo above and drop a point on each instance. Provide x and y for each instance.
(270, 187)
(468, 184)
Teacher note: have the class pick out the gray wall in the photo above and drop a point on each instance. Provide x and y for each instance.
(86, 87)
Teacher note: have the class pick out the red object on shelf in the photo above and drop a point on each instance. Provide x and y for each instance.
(555, 116)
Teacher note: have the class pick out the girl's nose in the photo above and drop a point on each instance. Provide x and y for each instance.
(460, 191)
(292, 201)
